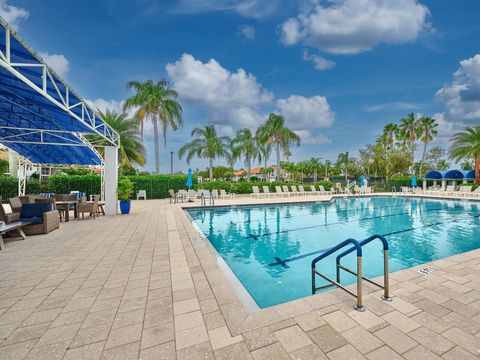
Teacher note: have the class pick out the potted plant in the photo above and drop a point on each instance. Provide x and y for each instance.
(124, 192)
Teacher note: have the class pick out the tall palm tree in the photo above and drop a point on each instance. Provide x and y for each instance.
(158, 103)
(131, 149)
(343, 160)
(274, 132)
(206, 144)
(245, 145)
(466, 146)
(390, 130)
(263, 154)
(427, 128)
(315, 165)
(409, 130)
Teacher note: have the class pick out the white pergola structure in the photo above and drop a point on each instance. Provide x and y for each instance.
(44, 121)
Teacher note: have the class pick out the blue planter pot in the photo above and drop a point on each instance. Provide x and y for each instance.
(125, 206)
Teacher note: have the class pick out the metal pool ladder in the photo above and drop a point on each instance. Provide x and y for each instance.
(354, 246)
(394, 191)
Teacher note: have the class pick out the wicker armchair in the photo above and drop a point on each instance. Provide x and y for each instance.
(44, 218)
(88, 207)
(15, 204)
(8, 217)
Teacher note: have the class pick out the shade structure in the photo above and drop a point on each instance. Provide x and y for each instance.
(434, 175)
(454, 175)
(470, 174)
(41, 117)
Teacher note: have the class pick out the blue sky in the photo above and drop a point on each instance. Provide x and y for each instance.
(338, 70)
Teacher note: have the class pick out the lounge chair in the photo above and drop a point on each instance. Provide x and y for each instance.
(322, 190)
(173, 196)
(225, 195)
(313, 190)
(302, 190)
(256, 192)
(339, 188)
(464, 190)
(142, 194)
(450, 190)
(266, 191)
(279, 192)
(214, 193)
(475, 193)
(182, 194)
(295, 191)
(286, 190)
(191, 195)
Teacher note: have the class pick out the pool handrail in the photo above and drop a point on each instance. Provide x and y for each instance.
(358, 294)
(386, 282)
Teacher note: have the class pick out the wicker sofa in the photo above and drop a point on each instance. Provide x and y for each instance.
(44, 218)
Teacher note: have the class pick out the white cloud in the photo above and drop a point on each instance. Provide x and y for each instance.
(354, 26)
(306, 113)
(396, 105)
(104, 105)
(59, 63)
(231, 97)
(462, 96)
(248, 31)
(308, 138)
(319, 62)
(246, 8)
(12, 14)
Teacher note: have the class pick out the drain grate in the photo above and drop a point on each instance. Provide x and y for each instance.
(427, 270)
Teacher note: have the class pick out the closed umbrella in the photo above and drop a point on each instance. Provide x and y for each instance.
(189, 179)
(414, 181)
(362, 181)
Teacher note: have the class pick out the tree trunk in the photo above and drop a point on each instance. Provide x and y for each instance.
(413, 158)
(278, 162)
(266, 173)
(210, 166)
(249, 163)
(423, 158)
(315, 175)
(157, 145)
(477, 170)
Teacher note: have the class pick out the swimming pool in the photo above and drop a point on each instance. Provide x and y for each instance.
(270, 247)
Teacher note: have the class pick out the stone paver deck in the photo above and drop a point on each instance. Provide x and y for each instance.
(147, 286)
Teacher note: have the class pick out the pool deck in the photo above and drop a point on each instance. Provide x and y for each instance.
(148, 286)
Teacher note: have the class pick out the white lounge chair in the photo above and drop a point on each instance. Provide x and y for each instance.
(326, 192)
(279, 192)
(256, 192)
(464, 190)
(475, 193)
(302, 190)
(182, 194)
(214, 193)
(295, 191)
(313, 190)
(142, 194)
(191, 195)
(286, 190)
(266, 191)
(225, 195)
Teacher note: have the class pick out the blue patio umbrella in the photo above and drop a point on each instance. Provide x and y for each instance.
(189, 179)
(414, 181)
(362, 180)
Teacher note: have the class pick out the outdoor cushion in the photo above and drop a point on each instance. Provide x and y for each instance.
(35, 220)
(35, 212)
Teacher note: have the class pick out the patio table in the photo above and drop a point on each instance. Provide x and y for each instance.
(65, 205)
(15, 225)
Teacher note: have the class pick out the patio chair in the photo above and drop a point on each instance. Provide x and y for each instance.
(313, 190)
(142, 194)
(15, 204)
(182, 194)
(450, 190)
(91, 208)
(286, 190)
(326, 192)
(339, 188)
(225, 195)
(214, 193)
(191, 195)
(256, 192)
(47, 201)
(8, 217)
(464, 190)
(279, 192)
(294, 190)
(303, 191)
(202, 192)
(173, 196)
(44, 218)
(475, 193)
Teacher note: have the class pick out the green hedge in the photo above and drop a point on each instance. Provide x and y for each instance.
(246, 187)
(156, 185)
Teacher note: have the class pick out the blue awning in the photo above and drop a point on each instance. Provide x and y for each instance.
(453, 175)
(434, 175)
(41, 117)
(470, 174)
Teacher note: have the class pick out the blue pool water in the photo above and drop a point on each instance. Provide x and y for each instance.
(258, 241)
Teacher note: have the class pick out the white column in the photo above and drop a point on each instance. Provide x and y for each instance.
(12, 163)
(444, 185)
(424, 184)
(111, 179)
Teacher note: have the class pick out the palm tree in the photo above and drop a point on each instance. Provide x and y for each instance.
(131, 150)
(274, 132)
(343, 160)
(288, 154)
(409, 130)
(427, 129)
(245, 145)
(158, 103)
(390, 130)
(315, 165)
(206, 144)
(263, 154)
(466, 146)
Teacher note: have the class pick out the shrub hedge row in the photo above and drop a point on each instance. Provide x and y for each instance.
(246, 187)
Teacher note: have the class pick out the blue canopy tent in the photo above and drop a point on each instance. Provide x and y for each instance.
(469, 175)
(453, 175)
(434, 175)
(41, 117)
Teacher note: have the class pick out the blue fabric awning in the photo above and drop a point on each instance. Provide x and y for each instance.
(453, 175)
(41, 117)
(434, 175)
(470, 174)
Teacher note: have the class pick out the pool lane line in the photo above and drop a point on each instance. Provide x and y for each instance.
(283, 262)
(256, 237)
